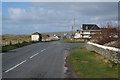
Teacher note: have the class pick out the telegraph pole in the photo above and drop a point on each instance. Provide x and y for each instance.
(72, 30)
(73, 27)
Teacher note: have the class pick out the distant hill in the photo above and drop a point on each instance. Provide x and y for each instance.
(7, 37)
(58, 33)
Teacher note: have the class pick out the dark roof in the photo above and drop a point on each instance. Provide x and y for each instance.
(36, 33)
(90, 27)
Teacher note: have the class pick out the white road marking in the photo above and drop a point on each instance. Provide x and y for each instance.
(15, 66)
(37, 53)
(34, 55)
(22, 62)
(43, 50)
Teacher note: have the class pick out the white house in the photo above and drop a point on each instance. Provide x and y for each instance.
(36, 37)
(54, 37)
(77, 35)
(88, 31)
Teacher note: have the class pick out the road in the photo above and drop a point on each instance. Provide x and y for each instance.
(39, 60)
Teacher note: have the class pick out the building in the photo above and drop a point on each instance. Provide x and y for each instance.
(54, 37)
(89, 31)
(36, 37)
(77, 35)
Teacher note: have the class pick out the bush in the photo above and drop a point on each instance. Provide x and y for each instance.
(108, 34)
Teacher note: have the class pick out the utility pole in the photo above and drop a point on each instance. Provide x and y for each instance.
(73, 27)
(72, 30)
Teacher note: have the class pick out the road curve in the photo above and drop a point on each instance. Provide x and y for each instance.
(39, 60)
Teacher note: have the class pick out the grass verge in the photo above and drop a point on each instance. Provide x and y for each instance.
(73, 41)
(10, 47)
(87, 65)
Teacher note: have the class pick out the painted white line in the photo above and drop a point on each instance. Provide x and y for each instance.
(34, 55)
(15, 66)
(43, 50)
(37, 53)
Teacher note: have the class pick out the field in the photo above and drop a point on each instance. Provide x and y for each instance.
(10, 42)
(73, 41)
(10, 47)
(88, 64)
(14, 39)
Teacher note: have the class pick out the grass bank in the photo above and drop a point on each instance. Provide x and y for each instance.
(88, 64)
(10, 47)
(73, 41)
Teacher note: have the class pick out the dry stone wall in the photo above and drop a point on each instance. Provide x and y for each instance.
(110, 53)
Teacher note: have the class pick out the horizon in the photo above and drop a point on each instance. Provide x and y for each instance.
(39, 32)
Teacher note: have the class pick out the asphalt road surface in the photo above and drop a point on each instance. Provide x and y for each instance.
(39, 60)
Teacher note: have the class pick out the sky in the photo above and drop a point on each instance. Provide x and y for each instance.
(60, 0)
(29, 17)
(0, 19)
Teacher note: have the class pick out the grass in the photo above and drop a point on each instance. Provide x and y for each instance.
(87, 65)
(10, 47)
(77, 47)
(8, 37)
(73, 41)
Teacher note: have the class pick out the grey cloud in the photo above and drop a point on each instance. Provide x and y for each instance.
(59, 16)
(60, 0)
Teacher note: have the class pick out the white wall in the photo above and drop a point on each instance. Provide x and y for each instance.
(85, 32)
(77, 35)
(35, 37)
(110, 53)
(104, 47)
(86, 36)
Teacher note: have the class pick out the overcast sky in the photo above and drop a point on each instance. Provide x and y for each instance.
(29, 17)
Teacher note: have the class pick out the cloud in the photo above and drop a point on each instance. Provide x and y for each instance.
(60, 0)
(17, 13)
(0, 18)
(50, 17)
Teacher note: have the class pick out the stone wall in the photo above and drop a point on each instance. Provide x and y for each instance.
(110, 53)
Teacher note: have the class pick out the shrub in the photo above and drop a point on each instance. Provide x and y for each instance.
(108, 33)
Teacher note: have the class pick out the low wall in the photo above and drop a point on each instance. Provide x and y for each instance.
(110, 53)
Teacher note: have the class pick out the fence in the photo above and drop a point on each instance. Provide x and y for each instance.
(110, 53)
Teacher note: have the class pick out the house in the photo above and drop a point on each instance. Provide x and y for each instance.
(36, 37)
(77, 35)
(54, 36)
(89, 31)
